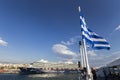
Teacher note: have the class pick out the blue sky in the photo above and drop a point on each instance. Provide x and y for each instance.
(32, 30)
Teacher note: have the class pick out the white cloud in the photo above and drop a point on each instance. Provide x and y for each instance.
(42, 60)
(92, 53)
(117, 28)
(2, 42)
(71, 41)
(63, 50)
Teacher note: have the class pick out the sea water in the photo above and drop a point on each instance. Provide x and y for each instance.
(39, 77)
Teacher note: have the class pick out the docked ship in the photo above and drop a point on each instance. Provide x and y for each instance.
(24, 70)
(40, 67)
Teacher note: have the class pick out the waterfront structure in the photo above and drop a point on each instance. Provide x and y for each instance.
(10, 67)
(114, 63)
(114, 67)
(111, 70)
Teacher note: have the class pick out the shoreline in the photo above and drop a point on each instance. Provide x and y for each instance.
(9, 71)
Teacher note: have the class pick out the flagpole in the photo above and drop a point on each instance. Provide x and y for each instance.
(81, 54)
(88, 72)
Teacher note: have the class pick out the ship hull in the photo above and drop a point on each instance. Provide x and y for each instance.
(24, 70)
(31, 70)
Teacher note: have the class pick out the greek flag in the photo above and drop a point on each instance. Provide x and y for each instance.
(96, 41)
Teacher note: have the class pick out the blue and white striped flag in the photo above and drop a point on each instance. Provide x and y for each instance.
(91, 37)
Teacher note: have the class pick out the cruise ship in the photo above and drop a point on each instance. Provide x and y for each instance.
(39, 67)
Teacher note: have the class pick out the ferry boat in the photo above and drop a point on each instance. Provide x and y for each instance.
(50, 67)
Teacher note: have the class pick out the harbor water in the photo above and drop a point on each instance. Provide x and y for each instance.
(46, 77)
(39, 77)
